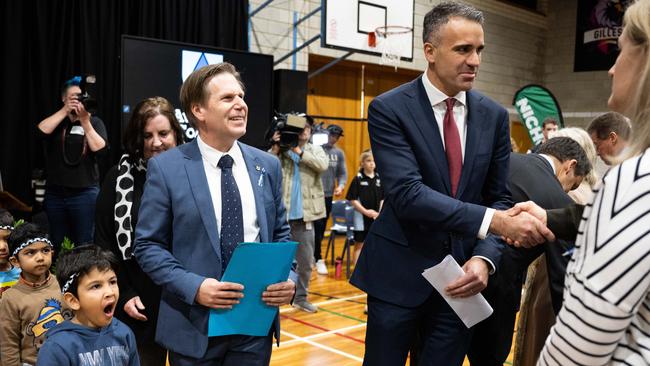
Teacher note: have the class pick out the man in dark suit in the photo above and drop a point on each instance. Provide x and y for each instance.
(187, 232)
(442, 151)
(545, 178)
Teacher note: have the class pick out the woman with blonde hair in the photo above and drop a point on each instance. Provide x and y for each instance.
(604, 318)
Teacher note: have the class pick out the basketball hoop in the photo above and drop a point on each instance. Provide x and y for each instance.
(390, 46)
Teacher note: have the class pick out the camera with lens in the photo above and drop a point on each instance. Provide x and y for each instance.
(89, 103)
(289, 125)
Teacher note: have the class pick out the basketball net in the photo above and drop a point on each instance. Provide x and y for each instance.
(388, 44)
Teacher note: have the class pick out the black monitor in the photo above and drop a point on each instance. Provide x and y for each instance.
(152, 67)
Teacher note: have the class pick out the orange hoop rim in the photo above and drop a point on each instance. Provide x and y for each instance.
(389, 30)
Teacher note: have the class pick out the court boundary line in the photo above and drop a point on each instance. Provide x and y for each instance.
(322, 346)
(323, 329)
(329, 332)
(326, 302)
(336, 297)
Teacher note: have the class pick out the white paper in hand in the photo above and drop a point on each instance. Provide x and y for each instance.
(471, 310)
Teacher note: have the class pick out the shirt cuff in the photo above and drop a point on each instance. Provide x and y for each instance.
(485, 225)
(492, 267)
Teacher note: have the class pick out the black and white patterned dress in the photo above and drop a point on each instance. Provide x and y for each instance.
(605, 318)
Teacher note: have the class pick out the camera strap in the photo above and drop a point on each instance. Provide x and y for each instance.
(84, 149)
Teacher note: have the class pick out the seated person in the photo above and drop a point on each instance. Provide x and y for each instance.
(92, 337)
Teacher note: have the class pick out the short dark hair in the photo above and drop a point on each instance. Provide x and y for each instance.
(549, 120)
(566, 148)
(6, 219)
(133, 137)
(194, 89)
(81, 260)
(440, 15)
(74, 81)
(610, 122)
(23, 233)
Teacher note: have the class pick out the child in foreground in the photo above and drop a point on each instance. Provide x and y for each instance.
(92, 337)
(33, 305)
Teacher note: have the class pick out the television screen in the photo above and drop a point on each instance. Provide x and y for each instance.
(152, 67)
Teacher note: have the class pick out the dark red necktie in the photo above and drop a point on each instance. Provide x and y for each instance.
(452, 146)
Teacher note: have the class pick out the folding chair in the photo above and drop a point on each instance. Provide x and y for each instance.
(342, 224)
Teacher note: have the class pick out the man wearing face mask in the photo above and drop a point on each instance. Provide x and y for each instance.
(74, 140)
(545, 178)
(302, 189)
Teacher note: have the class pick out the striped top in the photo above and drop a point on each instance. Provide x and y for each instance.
(605, 318)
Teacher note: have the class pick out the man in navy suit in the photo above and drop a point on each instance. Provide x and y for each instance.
(187, 232)
(442, 151)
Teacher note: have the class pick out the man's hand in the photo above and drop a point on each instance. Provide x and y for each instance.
(530, 207)
(133, 307)
(275, 147)
(77, 108)
(372, 214)
(522, 230)
(219, 295)
(279, 293)
(472, 282)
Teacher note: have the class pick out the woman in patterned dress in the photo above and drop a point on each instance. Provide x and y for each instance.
(152, 129)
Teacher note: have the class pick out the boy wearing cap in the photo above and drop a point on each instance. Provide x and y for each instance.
(334, 181)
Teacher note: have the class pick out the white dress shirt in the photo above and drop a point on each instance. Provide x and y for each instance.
(550, 161)
(211, 158)
(437, 101)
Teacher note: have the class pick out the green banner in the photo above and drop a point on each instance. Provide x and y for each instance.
(534, 103)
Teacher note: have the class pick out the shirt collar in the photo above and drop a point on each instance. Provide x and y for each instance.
(436, 96)
(550, 161)
(212, 155)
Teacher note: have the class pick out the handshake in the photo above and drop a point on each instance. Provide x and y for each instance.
(524, 225)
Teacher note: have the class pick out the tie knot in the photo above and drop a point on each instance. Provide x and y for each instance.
(225, 162)
(450, 103)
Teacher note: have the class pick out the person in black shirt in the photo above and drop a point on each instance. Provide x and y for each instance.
(152, 129)
(366, 196)
(73, 141)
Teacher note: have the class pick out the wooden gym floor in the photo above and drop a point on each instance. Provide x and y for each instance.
(335, 335)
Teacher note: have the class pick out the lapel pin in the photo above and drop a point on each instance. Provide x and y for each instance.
(257, 167)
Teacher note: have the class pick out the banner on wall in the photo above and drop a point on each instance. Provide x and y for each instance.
(599, 23)
(535, 103)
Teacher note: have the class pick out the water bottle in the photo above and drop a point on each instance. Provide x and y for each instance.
(339, 266)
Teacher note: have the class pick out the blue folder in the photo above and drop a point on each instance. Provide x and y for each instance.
(256, 266)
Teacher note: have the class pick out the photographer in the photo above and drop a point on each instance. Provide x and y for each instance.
(302, 189)
(73, 139)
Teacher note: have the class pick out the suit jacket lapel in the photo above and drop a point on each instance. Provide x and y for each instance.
(256, 172)
(200, 191)
(422, 113)
(475, 111)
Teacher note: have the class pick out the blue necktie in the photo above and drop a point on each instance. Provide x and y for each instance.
(232, 222)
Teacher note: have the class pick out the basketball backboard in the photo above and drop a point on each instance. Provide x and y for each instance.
(345, 24)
